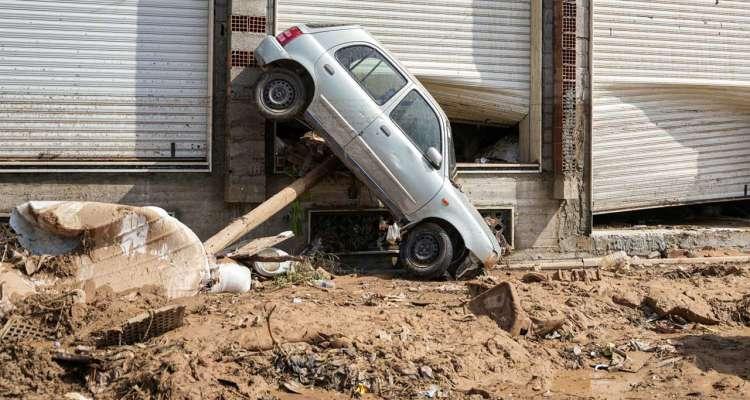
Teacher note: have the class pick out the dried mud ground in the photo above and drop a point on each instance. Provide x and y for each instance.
(388, 337)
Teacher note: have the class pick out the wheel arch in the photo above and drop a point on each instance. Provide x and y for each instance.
(303, 72)
(449, 227)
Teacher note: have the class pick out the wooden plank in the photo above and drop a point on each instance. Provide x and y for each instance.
(254, 246)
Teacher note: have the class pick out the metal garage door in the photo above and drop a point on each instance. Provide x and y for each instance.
(671, 102)
(473, 55)
(104, 82)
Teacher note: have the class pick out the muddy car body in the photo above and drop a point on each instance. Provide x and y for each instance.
(383, 124)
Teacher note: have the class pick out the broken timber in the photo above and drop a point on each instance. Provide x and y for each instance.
(268, 208)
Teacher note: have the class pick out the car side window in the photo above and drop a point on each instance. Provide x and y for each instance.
(372, 71)
(418, 121)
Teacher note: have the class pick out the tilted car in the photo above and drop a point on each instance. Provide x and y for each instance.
(380, 121)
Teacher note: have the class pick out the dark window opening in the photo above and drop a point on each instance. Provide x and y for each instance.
(727, 214)
(486, 144)
(283, 138)
(349, 231)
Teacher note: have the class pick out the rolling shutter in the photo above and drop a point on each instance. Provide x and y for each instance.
(104, 82)
(473, 56)
(671, 102)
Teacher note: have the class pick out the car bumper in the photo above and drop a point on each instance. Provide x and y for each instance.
(269, 51)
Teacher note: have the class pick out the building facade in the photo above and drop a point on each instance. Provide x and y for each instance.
(560, 108)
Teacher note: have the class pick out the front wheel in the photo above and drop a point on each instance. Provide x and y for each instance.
(280, 94)
(427, 251)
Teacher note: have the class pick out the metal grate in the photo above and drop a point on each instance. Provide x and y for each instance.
(19, 329)
(243, 58)
(144, 326)
(246, 23)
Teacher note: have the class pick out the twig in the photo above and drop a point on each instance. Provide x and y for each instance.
(275, 343)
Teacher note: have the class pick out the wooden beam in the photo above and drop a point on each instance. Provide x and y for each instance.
(241, 226)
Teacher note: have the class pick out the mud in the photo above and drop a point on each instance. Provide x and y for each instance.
(383, 337)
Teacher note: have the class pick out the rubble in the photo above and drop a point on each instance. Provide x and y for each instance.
(502, 305)
(673, 302)
(120, 247)
(143, 327)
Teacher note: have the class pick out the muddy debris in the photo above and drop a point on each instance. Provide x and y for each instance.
(687, 305)
(502, 305)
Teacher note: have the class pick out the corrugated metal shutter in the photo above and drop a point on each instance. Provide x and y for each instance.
(671, 102)
(473, 56)
(104, 81)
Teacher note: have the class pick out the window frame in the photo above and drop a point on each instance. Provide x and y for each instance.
(441, 128)
(407, 81)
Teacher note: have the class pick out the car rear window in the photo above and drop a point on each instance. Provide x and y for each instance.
(418, 121)
(372, 71)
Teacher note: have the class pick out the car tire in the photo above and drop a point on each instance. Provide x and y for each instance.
(280, 94)
(427, 251)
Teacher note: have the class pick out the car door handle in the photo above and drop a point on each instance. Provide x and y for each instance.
(385, 130)
(328, 69)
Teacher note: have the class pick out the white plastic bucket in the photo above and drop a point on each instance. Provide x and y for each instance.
(232, 278)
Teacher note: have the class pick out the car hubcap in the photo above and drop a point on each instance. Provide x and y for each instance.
(426, 248)
(279, 94)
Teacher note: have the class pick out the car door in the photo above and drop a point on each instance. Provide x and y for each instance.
(345, 107)
(399, 138)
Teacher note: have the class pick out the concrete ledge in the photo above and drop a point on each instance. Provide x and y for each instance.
(642, 242)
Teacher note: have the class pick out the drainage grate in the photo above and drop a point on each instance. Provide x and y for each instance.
(144, 326)
(17, 329)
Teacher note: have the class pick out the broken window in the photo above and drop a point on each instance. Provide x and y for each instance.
(486, 144)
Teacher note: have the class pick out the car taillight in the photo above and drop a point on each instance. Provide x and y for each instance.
(288, 35)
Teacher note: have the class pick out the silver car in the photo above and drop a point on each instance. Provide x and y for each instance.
(380, 121)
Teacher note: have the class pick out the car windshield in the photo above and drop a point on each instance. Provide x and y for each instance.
(372, 71)
(418, 121)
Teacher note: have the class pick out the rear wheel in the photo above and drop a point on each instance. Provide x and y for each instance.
(280, 94)
(427, 251)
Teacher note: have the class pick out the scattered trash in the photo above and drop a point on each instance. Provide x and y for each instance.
(324, 284)
(143, 327)
(544, 328)
(502, 305)
(432, 392)
(297, 300)
(269, 269)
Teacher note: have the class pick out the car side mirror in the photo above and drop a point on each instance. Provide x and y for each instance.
(434, 157)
